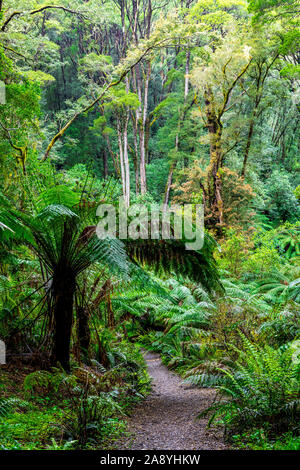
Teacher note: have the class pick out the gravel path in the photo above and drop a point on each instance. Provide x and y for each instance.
(166, 419)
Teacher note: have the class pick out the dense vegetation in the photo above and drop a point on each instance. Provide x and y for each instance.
(159, 102)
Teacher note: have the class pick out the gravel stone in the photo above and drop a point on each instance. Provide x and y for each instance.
(166, 419)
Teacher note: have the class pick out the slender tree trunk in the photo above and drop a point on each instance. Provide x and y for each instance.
(147, 137)
(248, 145)
(141, 120)
(105, 168)
(135, 160)
(110, 312)
(114, 158)
(122, 168)
(168, 186)
(134, 118)
(181, 117)
(126, 166)
(63, 74)
(260, 80)
(126, 159)
(186, 77)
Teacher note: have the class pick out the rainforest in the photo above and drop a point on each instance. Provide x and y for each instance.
(142, 342)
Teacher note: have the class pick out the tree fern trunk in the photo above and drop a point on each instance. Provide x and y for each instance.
(63, 290)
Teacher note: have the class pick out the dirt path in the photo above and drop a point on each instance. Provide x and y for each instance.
(166, 419)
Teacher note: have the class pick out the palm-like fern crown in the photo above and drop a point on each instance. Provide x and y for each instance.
(63, 242)
(62, 234)
(171, 256)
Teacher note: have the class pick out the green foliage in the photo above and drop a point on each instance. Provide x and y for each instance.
(61, 195)
(50, 384)
(171, 256)
(288, 237)
(282, 327)
(205, 98)
(283, 205)
(30, 430)
(257, 440)
(10, 405)
(261, 390)
(91, 414)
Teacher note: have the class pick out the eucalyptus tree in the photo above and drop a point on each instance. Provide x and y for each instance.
(216, 80)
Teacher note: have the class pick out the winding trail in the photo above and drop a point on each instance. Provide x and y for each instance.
(166, 419)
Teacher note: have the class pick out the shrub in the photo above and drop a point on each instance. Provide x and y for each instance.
(30, 430)
(42, 383)
(86, 421)
(263, 390)
(11, 404)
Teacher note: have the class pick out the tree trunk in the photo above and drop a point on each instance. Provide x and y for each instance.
(110, 312)
(214, 182)
(141, 119)
(168, 186)
(136, 166)
(105, 168)
(214, 179)
(126, 168)
(63, 291)
(260, 80)
(134, 118)
(248, 144)
(120, 141)
(126, 159)
(181, 118)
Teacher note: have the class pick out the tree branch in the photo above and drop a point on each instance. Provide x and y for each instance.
(39, 10)
(15, 52)
(227, 94)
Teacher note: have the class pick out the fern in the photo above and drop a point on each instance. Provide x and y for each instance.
(12, 404)
(263, 387)
(59, 194)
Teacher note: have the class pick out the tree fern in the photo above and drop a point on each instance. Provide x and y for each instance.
(171, 256)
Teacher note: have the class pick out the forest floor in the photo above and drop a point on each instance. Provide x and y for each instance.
(166, 419)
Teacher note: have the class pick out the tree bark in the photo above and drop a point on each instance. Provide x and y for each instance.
(135, 157)
(214, 181)
(126, 159)
(248, 145)
(105, 167)
(181, 118)
(168, 186)
(141, 119)
(63, 291)
(120, 141)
